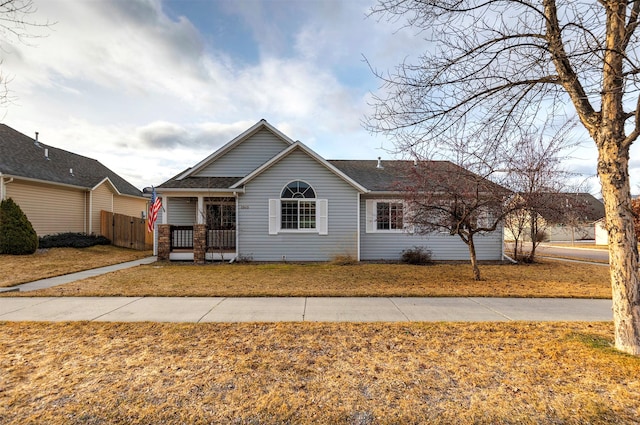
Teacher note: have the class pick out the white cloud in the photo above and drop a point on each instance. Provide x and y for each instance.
(149, 95)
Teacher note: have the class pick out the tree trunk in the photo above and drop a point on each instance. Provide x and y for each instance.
(533, 226)
(623, 248)
(613, 170)
(472, 255)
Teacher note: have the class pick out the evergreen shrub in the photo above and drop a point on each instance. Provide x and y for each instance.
(17, 236)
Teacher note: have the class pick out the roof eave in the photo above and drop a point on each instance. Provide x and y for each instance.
(31, 179)
(198, 189)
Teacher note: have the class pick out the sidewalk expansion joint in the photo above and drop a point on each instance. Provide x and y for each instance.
(399, 309)
(304, 310)
(211, 309)
(116, 309)
(491, 309)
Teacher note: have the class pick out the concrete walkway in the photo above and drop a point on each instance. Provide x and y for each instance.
(72, 277)
(199, 310)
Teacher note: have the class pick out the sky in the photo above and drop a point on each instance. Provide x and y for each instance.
(152, 87)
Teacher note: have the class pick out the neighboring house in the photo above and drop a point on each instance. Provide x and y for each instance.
(264, 197)
(566, 217)
(60, 191)
(602, 235)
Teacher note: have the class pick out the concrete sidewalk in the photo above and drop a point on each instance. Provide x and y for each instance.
(200, 310)
(320, 309)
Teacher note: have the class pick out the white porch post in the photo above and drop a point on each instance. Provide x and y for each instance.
(200, 218)
(165, 208)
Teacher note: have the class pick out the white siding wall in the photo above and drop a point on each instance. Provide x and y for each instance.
(102, 199)
(253, 214)
(129, 206)
(182, 211)
(50, 209)
(389, 246)
(245, 157)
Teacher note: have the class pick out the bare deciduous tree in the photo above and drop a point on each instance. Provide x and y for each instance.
(501, 63)
(15, 24)
(445, 197)
(534, 172)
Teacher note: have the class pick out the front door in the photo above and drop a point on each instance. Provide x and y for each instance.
(221, 223)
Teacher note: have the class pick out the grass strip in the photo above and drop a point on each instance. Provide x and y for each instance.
(546, 279)
(52, 262)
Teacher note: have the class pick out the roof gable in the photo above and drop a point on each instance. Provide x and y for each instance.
(301, 147)
(22, 156)
(203, 168)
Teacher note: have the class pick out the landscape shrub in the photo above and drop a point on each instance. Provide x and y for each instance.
(417, 256)
(17, 236)
(72, 240)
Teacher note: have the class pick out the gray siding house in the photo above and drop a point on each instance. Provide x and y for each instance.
(265, 197)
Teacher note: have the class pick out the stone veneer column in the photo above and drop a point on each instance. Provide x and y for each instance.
(199, 243)
(164, 243)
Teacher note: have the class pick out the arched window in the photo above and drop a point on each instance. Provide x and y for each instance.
(298, 189)
(298, 206)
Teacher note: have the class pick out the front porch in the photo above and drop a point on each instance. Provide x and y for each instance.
(198, 229)
(197, 243)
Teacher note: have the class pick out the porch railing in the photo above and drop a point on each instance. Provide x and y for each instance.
(221, 239)
(182, 238)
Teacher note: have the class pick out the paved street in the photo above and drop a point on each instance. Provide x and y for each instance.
(574, 252)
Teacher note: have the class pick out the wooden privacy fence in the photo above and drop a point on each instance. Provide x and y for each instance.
(125, 231)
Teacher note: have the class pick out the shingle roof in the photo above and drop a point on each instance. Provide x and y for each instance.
(390, 178)
(578, 206)
(20, 156)
(368, 175)
(396, 175)
(200, 183)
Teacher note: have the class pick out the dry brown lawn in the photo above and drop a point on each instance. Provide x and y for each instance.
(18, 269)
(304, 373)
(547, 279)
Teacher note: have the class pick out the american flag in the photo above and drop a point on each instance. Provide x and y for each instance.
(154, 207)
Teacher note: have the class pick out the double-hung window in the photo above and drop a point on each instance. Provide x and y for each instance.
(298, 210)
(386, 215)
(389, 216)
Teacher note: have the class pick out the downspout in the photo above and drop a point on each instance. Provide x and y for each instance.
(90, 211)
(3, 187)
(85, 213)
(235, 195)
(358, 226)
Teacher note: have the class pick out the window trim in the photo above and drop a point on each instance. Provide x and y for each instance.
(371, 211)
(321, 207)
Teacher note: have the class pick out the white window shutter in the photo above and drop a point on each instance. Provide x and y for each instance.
(323, 216)
(274, 206)
(370, 215)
